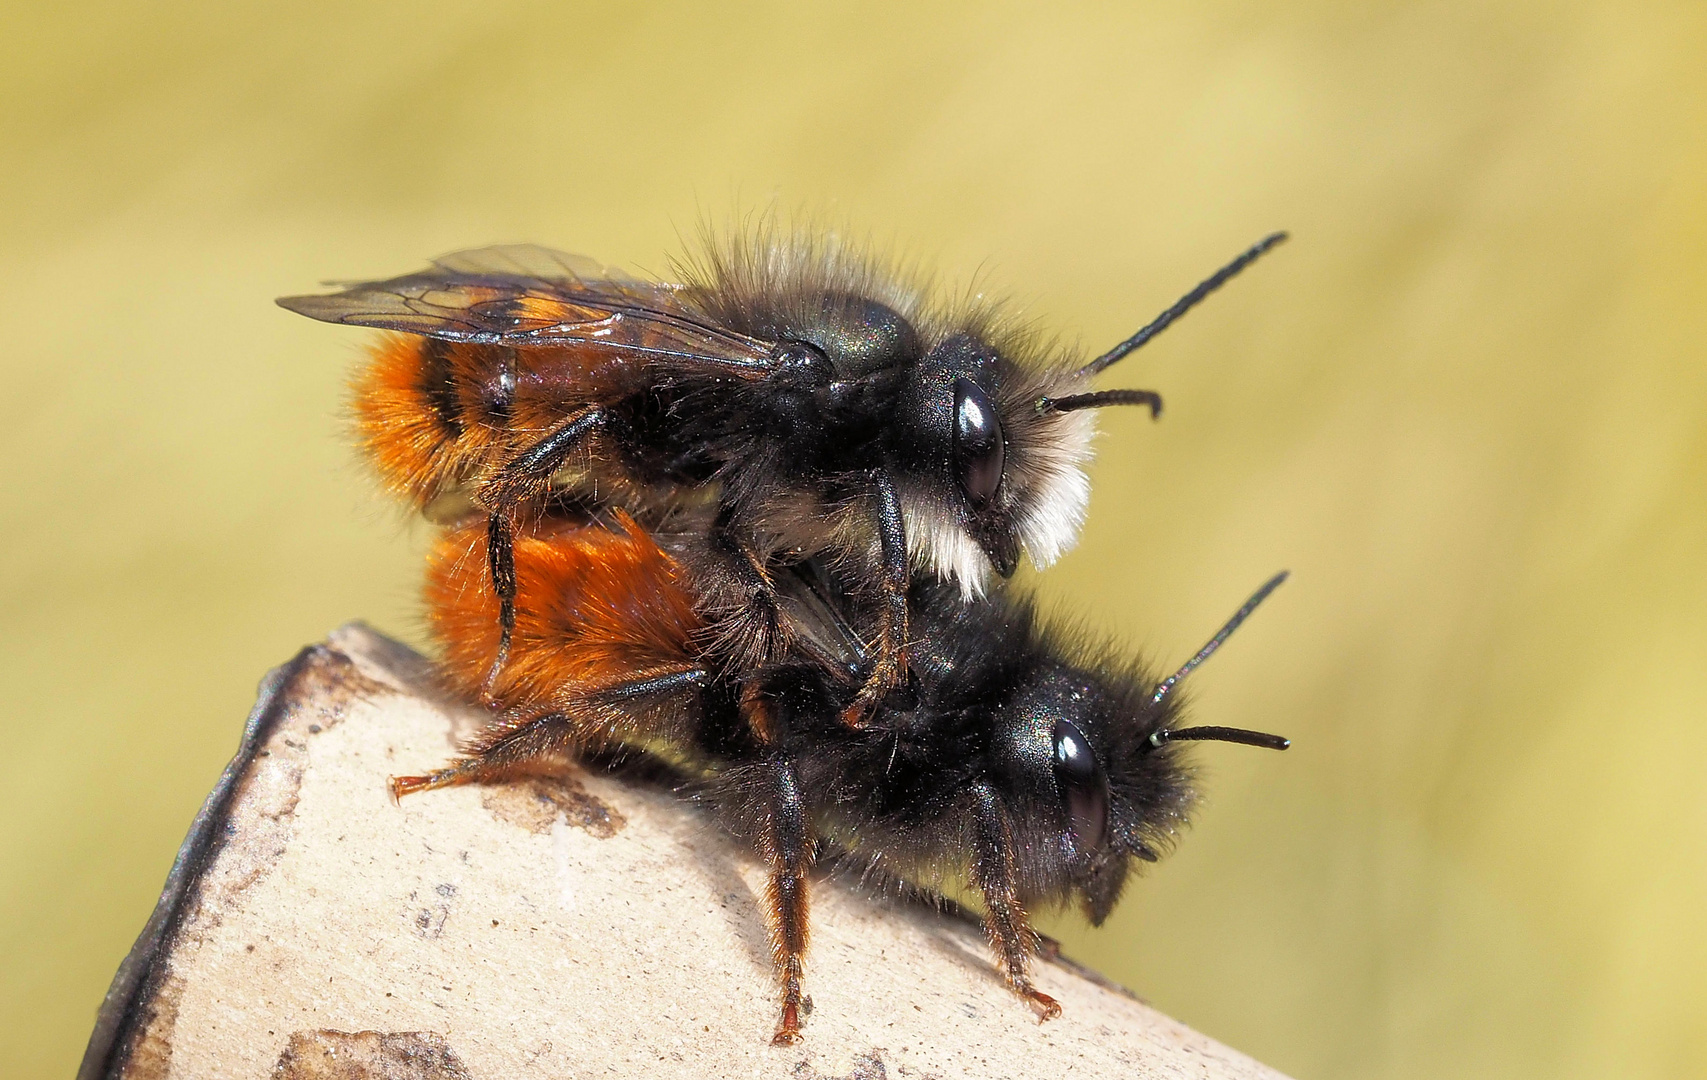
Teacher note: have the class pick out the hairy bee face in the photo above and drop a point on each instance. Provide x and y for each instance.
(1085, 786)
(993, 476)
(982, 474)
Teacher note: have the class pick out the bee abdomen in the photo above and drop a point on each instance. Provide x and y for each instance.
(413, 419)
(437, 385)
(596, 607)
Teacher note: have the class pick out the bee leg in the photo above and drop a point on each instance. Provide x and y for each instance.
(523, 743)
(785, 841)
(995, 872)
(788, 847)
(890, 668)
(507, 749)
(521, 479)
(528, 475)
(751, 634)
(501, 560)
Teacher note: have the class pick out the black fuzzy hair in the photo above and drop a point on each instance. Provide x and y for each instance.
(990, 676)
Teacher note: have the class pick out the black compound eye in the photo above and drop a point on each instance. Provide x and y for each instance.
(1084, 786)
(979, 453)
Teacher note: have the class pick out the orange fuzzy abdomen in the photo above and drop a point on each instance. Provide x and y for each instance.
(433, 414)
(595, 607)
(409, 418)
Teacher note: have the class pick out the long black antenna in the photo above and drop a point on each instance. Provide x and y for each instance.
(1183, 304)
(1221, 734)
(1100, 398)
(1166, 686)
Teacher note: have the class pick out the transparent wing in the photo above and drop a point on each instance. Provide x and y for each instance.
(542, 264)
(525, 295)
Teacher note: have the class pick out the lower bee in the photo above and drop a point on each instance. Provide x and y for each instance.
(1040, 766)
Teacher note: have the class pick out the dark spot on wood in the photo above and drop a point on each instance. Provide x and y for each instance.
(369, 1055)
(430, 922)
(867, 1066)
(534, 802)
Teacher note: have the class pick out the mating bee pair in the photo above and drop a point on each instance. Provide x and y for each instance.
(748, 524)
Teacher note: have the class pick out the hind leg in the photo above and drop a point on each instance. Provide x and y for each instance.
(787, 844)
(500, 755)
(523, 479)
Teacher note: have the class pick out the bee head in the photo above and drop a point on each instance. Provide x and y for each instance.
(984, 471)
(1090, 750)
(1091, 793)
(988, 474)
(984, 434)
(1016, 441)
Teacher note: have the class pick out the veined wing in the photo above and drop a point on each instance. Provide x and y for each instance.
(530, 296)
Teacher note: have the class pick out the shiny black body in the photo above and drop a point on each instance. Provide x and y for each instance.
(1032, 766)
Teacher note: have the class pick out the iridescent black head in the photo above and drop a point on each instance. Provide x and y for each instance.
(1094, 768)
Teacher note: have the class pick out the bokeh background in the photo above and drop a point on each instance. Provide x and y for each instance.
(1466, 406)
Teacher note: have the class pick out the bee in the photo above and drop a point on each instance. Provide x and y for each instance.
(1040, 767)
(813, 396)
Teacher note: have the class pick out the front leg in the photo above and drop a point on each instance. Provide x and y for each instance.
(890, 666)
(740, 600)
(995, 872)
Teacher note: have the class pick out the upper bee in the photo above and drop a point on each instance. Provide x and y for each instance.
(812, 392)
(786, 367)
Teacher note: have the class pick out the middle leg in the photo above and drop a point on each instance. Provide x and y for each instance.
(741, 595)
(524, 478)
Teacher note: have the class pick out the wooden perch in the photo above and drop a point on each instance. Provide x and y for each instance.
(567, 926)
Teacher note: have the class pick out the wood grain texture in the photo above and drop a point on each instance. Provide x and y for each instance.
(566, 926)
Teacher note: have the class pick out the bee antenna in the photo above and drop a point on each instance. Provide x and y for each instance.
(1220, 734)
(1182, 305)
(1101, 398)
(1166, 686)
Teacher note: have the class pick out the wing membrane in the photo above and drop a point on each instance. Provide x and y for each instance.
(525, 295)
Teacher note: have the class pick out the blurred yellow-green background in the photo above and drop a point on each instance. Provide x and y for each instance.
(1466, 406)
